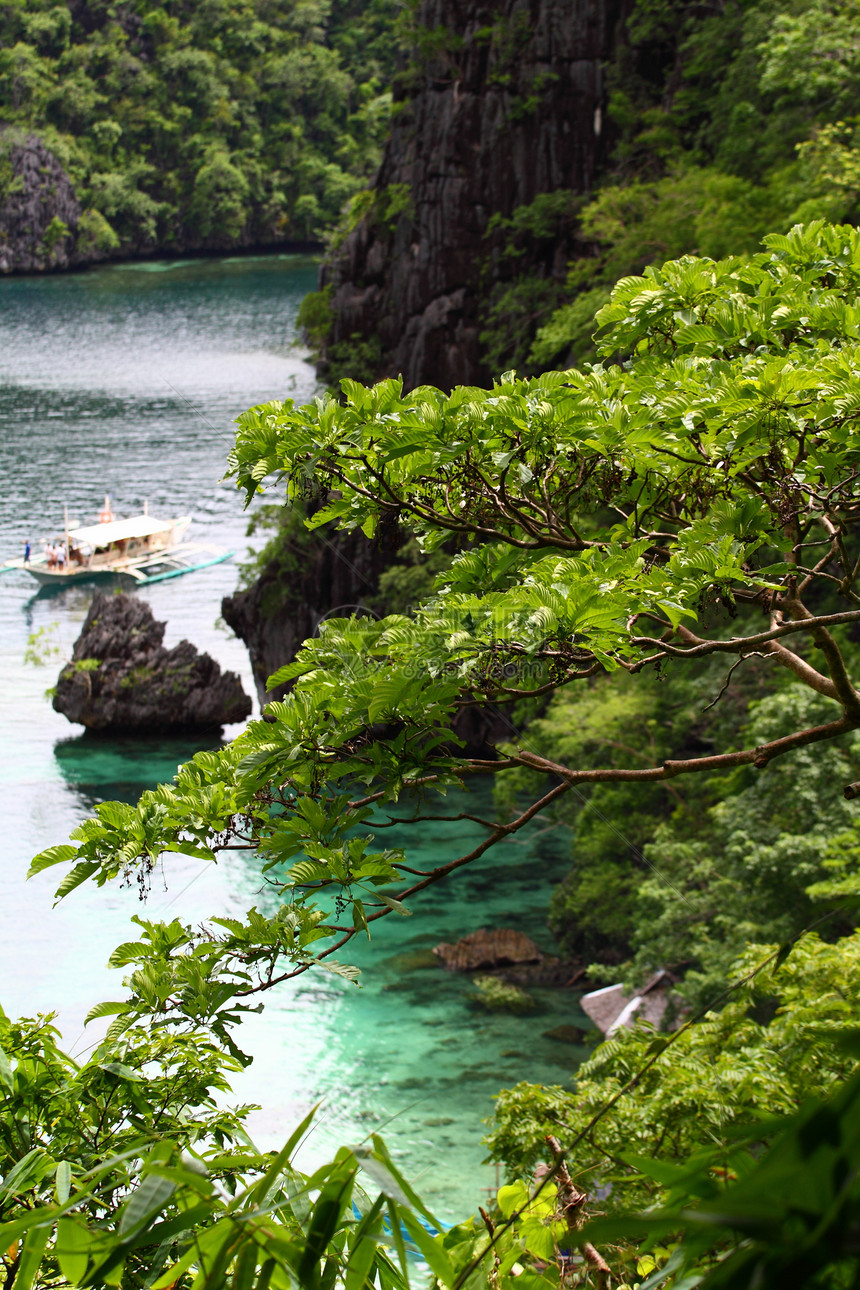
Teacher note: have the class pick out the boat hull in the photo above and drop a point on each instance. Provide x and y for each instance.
(140, 550)
(62, 578)
(172, 562)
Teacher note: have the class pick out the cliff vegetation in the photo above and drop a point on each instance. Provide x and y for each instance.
(647, 567)
(686, 519)
(536, 159)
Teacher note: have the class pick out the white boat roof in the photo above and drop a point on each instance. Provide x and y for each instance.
(136, 526)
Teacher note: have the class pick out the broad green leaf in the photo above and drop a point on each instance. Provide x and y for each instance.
(63, 1181)
(432, 1249)
(105, 1010)
(72, 1248)
(51, 856)
(27, 1172)
(6, 1076)
(148, 1199)
(393, 904)
(31, 1256)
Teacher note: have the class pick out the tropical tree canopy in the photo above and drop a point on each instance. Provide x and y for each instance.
(692, 495)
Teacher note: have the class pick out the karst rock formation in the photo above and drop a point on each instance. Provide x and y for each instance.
(122, 679)
(39, 209)
(503, 101)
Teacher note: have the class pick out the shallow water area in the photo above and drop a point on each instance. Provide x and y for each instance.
(126, 380)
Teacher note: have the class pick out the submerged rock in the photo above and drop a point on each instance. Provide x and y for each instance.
(566, 1034)
(500, 996)
(486, 948)
(409, 961)
(122, 679)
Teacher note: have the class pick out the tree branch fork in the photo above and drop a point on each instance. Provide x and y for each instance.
(837, 686)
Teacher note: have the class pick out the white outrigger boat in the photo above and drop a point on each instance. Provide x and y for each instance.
(141, 548)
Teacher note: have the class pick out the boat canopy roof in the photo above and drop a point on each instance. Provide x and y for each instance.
(137, 526)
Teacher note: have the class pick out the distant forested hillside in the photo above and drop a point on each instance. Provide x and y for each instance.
(185, 124)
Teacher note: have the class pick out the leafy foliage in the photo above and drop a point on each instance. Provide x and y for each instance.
(606, 519)
(731, 122)
(71, 1135)
(789, 1217)
(770, 1048)
(692, 506)
(214, 1213)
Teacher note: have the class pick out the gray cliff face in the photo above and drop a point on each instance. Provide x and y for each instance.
(285, 607)
(510, 106)
(37, 202)
(122, 679)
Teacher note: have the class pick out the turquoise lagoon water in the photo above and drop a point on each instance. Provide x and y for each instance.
(125, 380)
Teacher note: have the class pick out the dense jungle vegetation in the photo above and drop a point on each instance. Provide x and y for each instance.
(730, 121)
(204, 124)
(727, 121)
(650, 563)
(687, 513)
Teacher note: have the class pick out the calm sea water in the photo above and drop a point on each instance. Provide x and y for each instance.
(125, 380)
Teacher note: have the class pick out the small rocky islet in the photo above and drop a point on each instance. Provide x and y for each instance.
(122, 679)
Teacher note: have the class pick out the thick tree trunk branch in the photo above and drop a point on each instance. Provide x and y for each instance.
(742, 644)
(803, 670)
(759, 757)
(845, 691)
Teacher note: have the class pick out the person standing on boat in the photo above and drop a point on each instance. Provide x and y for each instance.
(61, 557)
(27, 551)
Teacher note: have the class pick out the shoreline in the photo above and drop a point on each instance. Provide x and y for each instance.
(257, 250)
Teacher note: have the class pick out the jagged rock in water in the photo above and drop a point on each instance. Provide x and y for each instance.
(39, 211)
(121, 678)
(510, 105)
(497, 995)
(488, 948)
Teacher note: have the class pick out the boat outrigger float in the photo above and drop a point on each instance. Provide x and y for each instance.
(141, 548)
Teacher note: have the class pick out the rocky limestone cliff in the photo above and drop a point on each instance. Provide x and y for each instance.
(505, 103)
(39, 210)
(122, 679)
(328, 575)
(44, 227)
